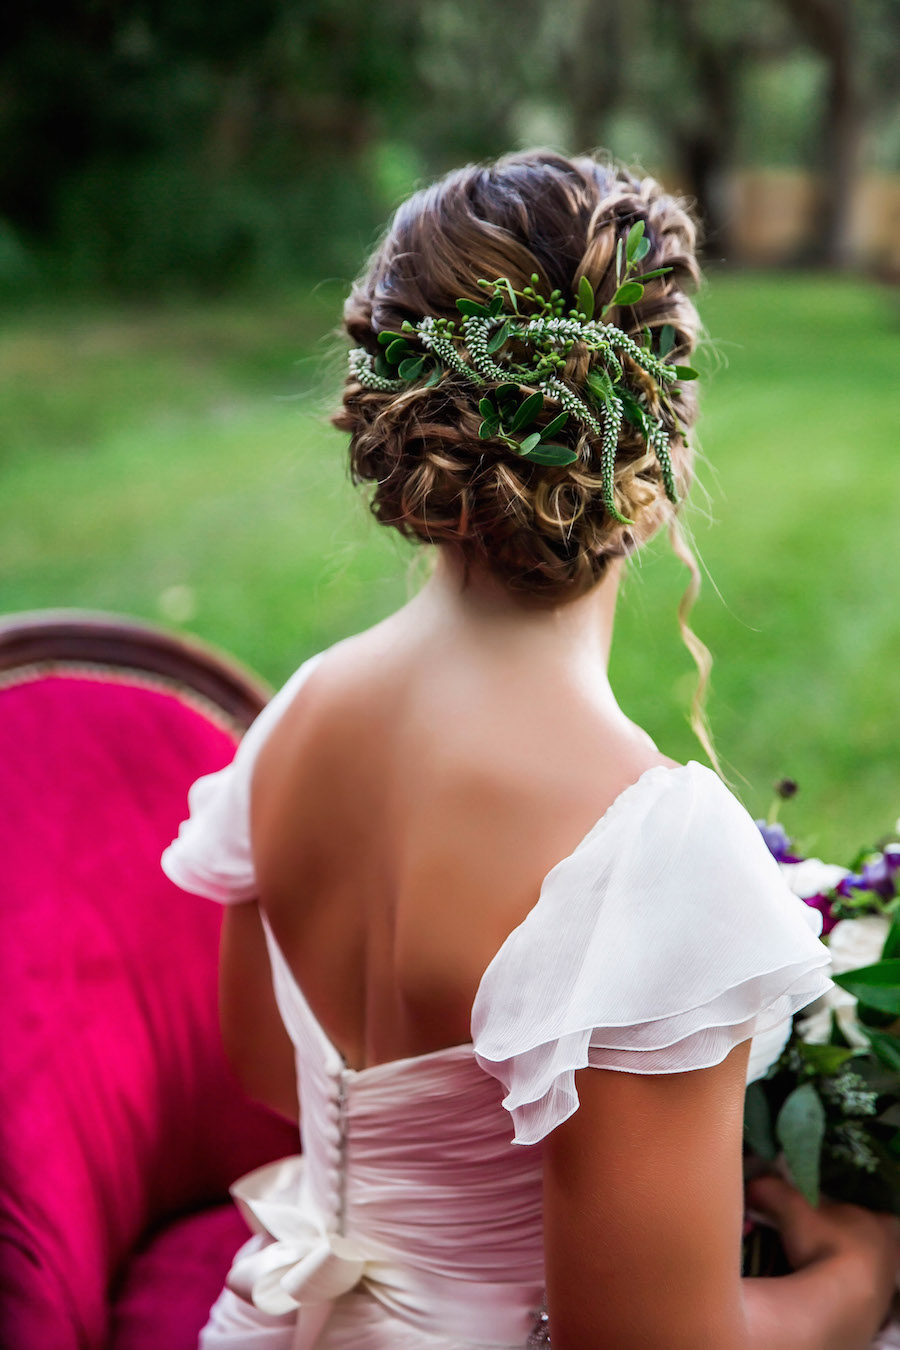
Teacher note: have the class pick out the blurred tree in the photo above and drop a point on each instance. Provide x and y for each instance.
(473, 78)
(830, 27)
(859, 44)
(592, 67)
(169, 143)
(702, 51)
(179, 142)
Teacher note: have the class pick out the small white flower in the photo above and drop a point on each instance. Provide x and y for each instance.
(857, 942)
(852, 943)
(812, 876)
(765, 1047)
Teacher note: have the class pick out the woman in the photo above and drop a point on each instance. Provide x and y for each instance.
(523, 962)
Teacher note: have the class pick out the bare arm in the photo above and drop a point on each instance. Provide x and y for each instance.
(256, 1043)
(643, 1210)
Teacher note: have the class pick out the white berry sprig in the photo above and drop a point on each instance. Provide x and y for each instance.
(520, 358)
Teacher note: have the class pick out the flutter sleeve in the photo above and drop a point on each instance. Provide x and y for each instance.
(666, 938)
(211, 854)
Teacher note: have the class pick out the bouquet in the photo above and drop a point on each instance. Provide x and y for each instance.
(826, 1114)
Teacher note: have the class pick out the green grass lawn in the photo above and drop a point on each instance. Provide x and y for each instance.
(177, 464)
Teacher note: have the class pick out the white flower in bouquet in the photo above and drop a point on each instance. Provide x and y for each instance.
(812, 876)
(766, 1047)
(852, 943)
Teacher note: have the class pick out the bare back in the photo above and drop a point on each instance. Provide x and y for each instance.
(404, 816)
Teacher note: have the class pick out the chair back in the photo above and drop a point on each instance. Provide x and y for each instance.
(118, 1110)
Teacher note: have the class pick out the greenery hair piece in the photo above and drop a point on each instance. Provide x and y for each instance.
(515, 353)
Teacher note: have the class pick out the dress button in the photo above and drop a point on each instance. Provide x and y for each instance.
(333, 1110)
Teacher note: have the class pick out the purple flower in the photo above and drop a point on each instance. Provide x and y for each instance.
(877, 876)
(776, 841)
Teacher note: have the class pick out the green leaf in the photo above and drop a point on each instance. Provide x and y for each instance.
(873, 1017)
(586, 298)
(686, 372)
(472, 308)
(633, 410)
(506, 391)
(877, 986)
(556, 425)
(546, 453)
(433, 378)
(507, 285)
(498, 338)
(387, 337)
(487, 430)
(628, 294)
(411, 368)
(642, 250)
(397, 350)
(600, 385)
(619, 249)
(657, 272)
(495, 305)
(528, 411)
(613, 367)
(666, 339)
(885, 1045)
(487, 409)
(800, 1129)
(382, 368)
(633, 241)
(892, 941)
(878, 1078)
(530, 442)
(758, 1122)
(824, 1058)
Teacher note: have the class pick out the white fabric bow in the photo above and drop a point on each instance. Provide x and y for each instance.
(293, 1264)
(303, 1266)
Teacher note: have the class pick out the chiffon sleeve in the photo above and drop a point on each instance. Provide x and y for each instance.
(666, 938)
(211, 854)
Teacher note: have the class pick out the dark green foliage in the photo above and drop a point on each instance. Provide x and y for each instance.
(586, 298)
(800, 1129)
(198, 146)
(877, 986)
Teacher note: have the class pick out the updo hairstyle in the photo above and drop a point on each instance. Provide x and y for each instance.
(543, 530)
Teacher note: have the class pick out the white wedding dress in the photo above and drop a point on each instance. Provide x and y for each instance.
(412, 1219)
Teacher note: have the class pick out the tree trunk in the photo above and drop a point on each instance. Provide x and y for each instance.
(706, 147)
(830, 28)
(591, 70)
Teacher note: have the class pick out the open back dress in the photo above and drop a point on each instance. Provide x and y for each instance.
(411, 1219)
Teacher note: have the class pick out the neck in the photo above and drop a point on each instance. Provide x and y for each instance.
(574, 633)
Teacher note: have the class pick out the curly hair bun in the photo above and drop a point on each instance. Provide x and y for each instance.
(542, 529)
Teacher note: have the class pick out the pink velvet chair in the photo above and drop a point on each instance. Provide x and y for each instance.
(122, 1125)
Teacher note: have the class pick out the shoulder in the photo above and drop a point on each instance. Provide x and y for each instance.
(211, 854)
(667, 937)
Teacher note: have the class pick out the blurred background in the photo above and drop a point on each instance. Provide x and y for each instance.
(186, 192)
